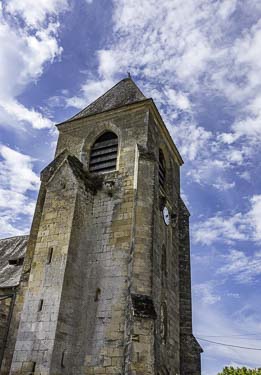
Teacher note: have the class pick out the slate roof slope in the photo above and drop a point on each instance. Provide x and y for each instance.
(123, 93)
(10, 249)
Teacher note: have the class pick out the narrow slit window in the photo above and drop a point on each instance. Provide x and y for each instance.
(40, 305)
(63, 359)
(162, 169)
(50, 255)
(97, 295)
(33, 367)
(104, 153)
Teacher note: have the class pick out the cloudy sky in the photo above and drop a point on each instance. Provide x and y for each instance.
(201, 62)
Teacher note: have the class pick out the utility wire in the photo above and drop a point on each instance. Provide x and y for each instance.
(243, 335)
(224, 344)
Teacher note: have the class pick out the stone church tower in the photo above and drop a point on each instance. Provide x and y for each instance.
(105, 285)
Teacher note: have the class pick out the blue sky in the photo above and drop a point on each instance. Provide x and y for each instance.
(200, 61)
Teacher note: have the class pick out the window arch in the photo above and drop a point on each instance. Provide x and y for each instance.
(103, 157)
(162, 169)
(163, 322)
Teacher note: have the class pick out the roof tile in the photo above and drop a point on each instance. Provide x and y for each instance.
(10, 249)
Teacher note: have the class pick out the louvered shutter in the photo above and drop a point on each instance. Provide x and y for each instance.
(104, 153)
(162, 169)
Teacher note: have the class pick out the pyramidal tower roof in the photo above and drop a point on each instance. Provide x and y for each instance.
(123, 93)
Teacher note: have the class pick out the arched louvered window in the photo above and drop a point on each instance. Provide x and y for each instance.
(162, 169)
(104, 153)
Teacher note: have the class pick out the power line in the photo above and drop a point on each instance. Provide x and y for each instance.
(243, 335)
(230, 345)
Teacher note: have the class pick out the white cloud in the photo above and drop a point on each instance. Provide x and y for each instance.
(242, 267)
(254, 216)
(8, 229)
(246, 176)
(17, 112)
(35, 12)
(227, 8)
(16, 171)
(182, 52)
(218, 228)
(211, 171)
(15, 201)
(24, 53)
(90, 91)
(239, 81)
(16, 180)
(237, 227)
(198, 138)
(108, 64)
(223, 185)
(205, 292)
(29, 41)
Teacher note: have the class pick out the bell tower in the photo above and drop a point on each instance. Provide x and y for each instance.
(109, 288)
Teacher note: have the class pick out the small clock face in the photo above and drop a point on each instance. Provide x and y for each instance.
(166, 216)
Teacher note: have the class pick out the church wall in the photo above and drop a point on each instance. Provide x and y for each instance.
(5, 307)
(68, 343)
(107, 254)
(165, 283)
(101, 241)
(7, 297)
(21, 289)
(95, 285)
(12, 326)
(141, 321)
(189, 349)
(37, 327)
(131, 129)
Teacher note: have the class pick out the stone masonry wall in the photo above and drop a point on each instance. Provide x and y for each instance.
(95, 286)
(96, 238)
(131, 130)
(66, 355)
(20, 291)
(165, 281)
(7, 297)
(38, 322)
(113, 221)
(140, 358)
(104, 290)
(189, 350)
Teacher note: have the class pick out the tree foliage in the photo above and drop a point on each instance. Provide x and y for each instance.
(239, 371)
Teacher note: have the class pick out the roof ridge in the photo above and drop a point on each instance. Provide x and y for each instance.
(117, 96)
(106, 92)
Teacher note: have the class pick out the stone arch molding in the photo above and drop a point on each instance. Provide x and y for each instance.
(96, 131)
